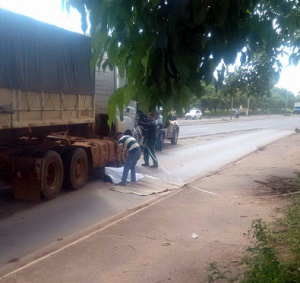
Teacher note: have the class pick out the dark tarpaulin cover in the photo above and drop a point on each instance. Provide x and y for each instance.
(41, 57)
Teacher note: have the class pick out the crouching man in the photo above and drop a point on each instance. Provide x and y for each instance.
(128, 142)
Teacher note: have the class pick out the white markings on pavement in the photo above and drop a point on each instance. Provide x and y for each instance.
(165, 170)
(172, 175)
(204, 191)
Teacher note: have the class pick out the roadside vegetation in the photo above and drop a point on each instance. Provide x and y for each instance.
(212, 104)
(275, 255)
(171, 50)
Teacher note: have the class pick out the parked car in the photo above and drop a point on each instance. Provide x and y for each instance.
(171, 130)
(193, 114)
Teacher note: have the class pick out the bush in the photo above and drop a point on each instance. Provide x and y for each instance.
(275, 256)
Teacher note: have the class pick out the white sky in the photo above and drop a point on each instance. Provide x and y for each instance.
(290, 77)
(50, 11)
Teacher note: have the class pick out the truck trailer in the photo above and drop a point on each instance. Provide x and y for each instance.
(52, 133)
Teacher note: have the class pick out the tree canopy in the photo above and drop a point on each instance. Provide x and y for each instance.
(169, 48)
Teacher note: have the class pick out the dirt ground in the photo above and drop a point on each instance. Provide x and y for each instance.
(264, 184)
(175, 238)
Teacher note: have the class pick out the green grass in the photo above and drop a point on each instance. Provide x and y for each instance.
(275, 255)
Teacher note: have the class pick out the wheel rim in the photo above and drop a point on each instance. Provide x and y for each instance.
(51, 177)
(78, 170)
(52, 172)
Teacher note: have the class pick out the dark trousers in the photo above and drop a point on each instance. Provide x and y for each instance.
(159, 142)
(150, 150)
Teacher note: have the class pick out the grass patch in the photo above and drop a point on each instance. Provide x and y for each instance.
(275, 255)
(229, 113)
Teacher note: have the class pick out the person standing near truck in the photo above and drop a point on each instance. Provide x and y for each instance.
(128, 142)
(151, 138)
(160, 135)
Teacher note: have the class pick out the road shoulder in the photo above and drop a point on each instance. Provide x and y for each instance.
(175, 238)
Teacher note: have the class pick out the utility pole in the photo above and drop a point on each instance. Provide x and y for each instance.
(231, 107)
(286, 101)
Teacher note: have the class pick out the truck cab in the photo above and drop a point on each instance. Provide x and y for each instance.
(296, 108)
(106, 82)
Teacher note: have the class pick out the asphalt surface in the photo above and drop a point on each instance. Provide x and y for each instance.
(170, 239)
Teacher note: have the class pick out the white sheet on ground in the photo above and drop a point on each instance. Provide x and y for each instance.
(145, 185)
(115, 173)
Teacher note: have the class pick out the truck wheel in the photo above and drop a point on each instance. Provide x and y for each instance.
(76, 168)
(52, 173)
(174, 139)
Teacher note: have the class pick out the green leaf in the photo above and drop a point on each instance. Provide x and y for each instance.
(113, 51)
(162, 45)
(124, 55)
(128, 94)
(155, 3)
(161, 39)
(115, 100)
(182, 97)
(125, 10)
(135, 64)
(144, 98)
(199, 11)
(122, 65)
(113, 13)
(145, 60)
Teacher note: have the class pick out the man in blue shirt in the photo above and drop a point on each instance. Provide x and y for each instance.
(128, 142)
(151, 138)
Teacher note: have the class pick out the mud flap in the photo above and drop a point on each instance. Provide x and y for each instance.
(26, 180)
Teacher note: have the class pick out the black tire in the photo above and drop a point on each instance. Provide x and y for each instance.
(52, 173)
(76, 168)
(174, 139)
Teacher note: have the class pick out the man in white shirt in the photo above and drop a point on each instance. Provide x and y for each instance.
(129, 143)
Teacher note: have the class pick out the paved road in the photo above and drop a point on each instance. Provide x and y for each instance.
(176, 237)
(212, 126)
(27, 227)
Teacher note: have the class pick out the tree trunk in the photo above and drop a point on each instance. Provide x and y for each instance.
(231, 113)
(248, 105)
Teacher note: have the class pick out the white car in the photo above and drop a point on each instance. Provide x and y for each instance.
(193, 114)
